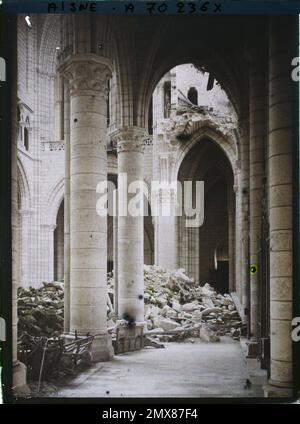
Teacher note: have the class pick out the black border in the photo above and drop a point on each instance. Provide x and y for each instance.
(7, 43)
(7, 40)
(296, 213)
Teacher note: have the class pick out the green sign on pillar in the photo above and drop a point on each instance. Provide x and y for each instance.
(253, 269)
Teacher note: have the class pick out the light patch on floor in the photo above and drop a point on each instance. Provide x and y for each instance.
(180, 370)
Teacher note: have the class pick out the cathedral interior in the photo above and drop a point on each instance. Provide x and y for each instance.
(162, 99)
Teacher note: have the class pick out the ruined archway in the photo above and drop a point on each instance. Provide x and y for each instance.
(202, 251)
(190, 131)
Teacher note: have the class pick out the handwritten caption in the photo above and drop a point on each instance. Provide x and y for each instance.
(185, 8)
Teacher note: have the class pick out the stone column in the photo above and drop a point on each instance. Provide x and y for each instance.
(115, 259)
(240, 287)
(130, 228)
(280, 143)
(257, 112)
(166, 233)
(88, 75)
(24, 247)
(58, 106)
(48, 250)
(193, 244)
(231, 238)
(19, 369)
(238, 258)
(67, 209)
(244, 181)
(166, 220)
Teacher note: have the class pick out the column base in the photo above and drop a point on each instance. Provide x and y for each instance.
(129, 338)
(252, 349)
(101, 350)
(20, 388)
(273, 391)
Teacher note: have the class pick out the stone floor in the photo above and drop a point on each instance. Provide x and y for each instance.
(180, 370)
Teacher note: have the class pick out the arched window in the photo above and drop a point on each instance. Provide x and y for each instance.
(26, 138)
(193, 96)
(167, 99)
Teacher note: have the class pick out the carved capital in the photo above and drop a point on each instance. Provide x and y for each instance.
(129, 139)
(87, 73)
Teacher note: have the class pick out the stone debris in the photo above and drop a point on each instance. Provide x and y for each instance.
(178, 308)
(41, 311)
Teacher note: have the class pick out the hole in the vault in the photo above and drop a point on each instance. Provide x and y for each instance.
(141, 296)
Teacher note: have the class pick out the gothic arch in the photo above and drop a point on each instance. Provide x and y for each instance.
(138, 76)
(54, 200)
(227, 145)
(213, 63)
(23, 186)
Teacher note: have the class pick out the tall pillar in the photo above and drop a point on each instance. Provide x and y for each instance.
(88, 75)
(58, 107)
(166, 220)
(166, 254)
(130, 228)
(115, 259)
(231, 238)
(48, 250)
(19, 369)
(67, 209)
(244, 180)
(257, 112)
(193, 259)
(24, 247)
(280, 142)
(238, 225)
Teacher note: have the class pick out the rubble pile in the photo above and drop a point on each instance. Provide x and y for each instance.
(41, 311)
(176, 307)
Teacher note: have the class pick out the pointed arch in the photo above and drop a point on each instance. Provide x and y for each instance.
(54, 201)
(198, 132)
(23, 187)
